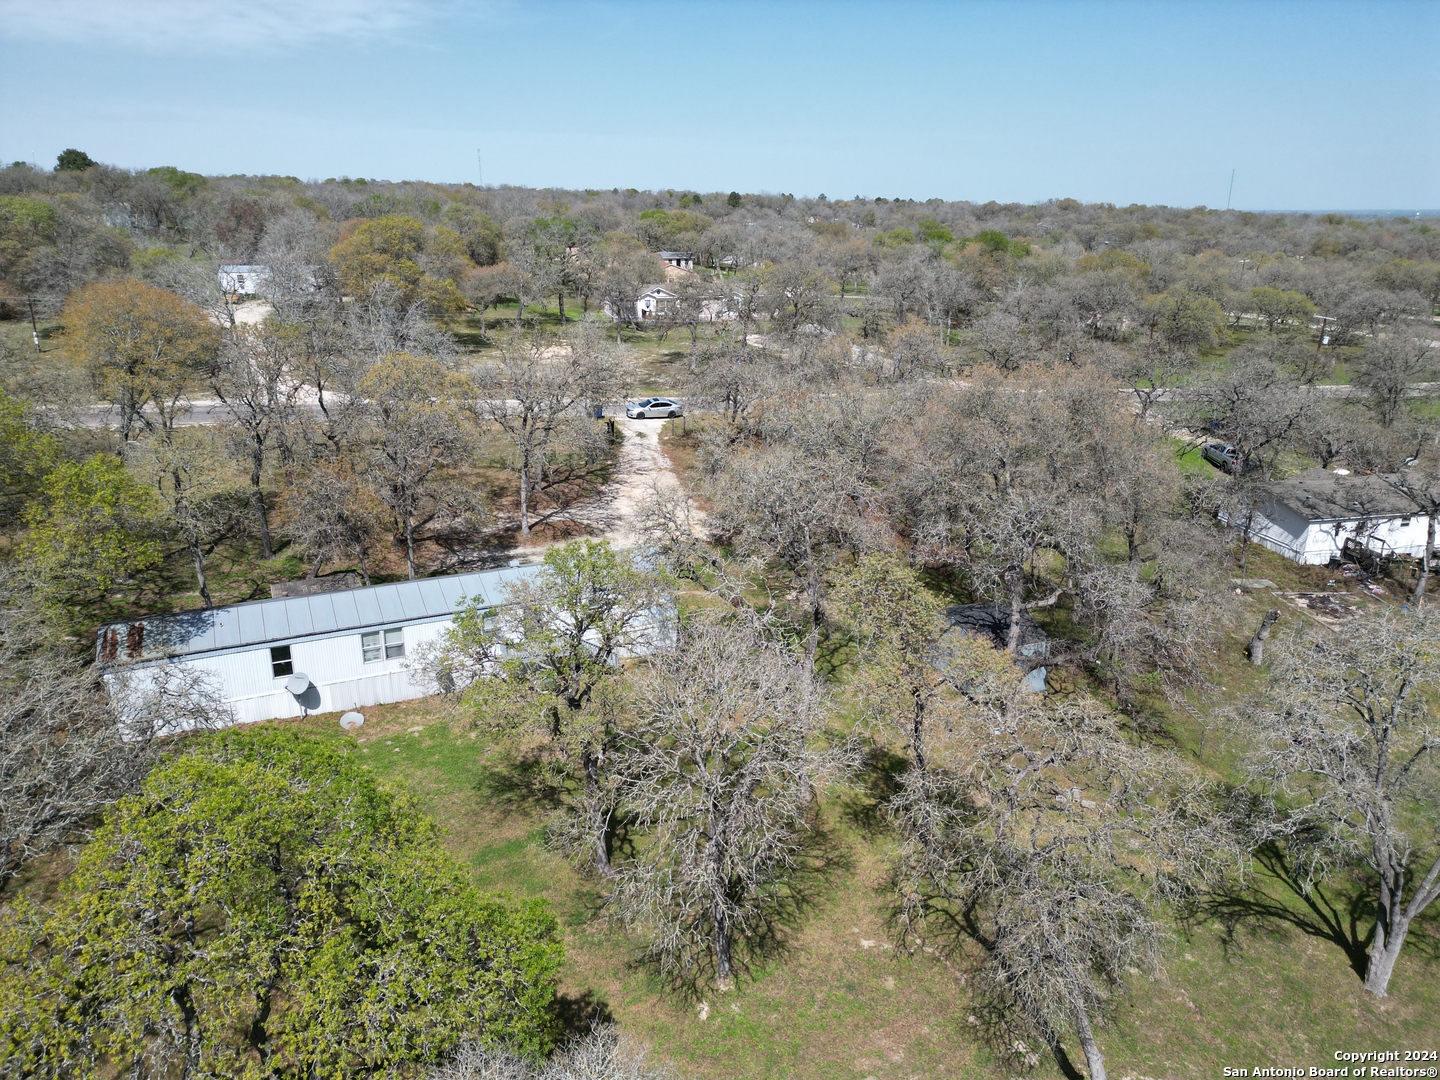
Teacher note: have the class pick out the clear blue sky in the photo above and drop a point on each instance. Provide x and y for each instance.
(1316, 105)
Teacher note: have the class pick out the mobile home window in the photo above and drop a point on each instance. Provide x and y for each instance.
(280, 663)
(382, 644)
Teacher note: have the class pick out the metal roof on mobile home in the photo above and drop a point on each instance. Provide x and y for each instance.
(264, 622)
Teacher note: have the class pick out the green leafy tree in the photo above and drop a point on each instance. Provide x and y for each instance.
(910, 664)
(264, 908)
(933, 232)
(92, 525)
(26, 455)
(994, 240)
(1134, 268)
(74, 161)
(665, 228)
(25, 224)
(183, 184)
(384, 246)
(394, 250)
(142, 346)
(733, 200)
(484, 240)
(1281, 307)
(1184, 318)
(544, 250)
(557, 640)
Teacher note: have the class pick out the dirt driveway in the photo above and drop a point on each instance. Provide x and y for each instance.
(641, 468)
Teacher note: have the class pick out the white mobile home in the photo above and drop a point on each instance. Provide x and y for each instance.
(243, 279)
(352, 646)
(1309, 517)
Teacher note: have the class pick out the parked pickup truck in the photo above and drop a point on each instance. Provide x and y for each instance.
(1222, 456)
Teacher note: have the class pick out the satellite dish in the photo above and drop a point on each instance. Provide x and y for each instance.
(352, 720)
(298, 683)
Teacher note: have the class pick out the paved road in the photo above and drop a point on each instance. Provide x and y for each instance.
(198, 413)
(205, 411)
(1331, 390)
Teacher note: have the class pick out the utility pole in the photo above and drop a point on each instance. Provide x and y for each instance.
(34, 330)
(1232, 190)
(480, 166)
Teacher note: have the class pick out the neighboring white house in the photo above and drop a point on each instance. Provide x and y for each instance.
(352, 645)
(243, 279)
(1309, 517)
(681, 260)
(654, 302)
(658, 301)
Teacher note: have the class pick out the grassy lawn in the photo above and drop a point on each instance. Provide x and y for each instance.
(842, 999)
(660, 364)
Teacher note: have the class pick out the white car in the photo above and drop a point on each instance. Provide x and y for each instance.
(651, 407)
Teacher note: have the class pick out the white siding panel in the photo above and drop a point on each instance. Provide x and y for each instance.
(239, 675)
(1315, 543)
(336, 666)
(1395, 536)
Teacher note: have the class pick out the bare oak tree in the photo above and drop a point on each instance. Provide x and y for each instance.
(718, 769)
(67, 746)
(331, 513)
(1347, 753)
(602, 1054)
(1390, 365)
(1041, 834)
(255, 375)
(204, 494)
(536, 385)
(419, 435)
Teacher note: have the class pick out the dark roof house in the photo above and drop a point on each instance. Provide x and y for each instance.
(1327, 495)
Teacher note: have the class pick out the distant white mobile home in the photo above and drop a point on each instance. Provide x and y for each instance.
(243, 279)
